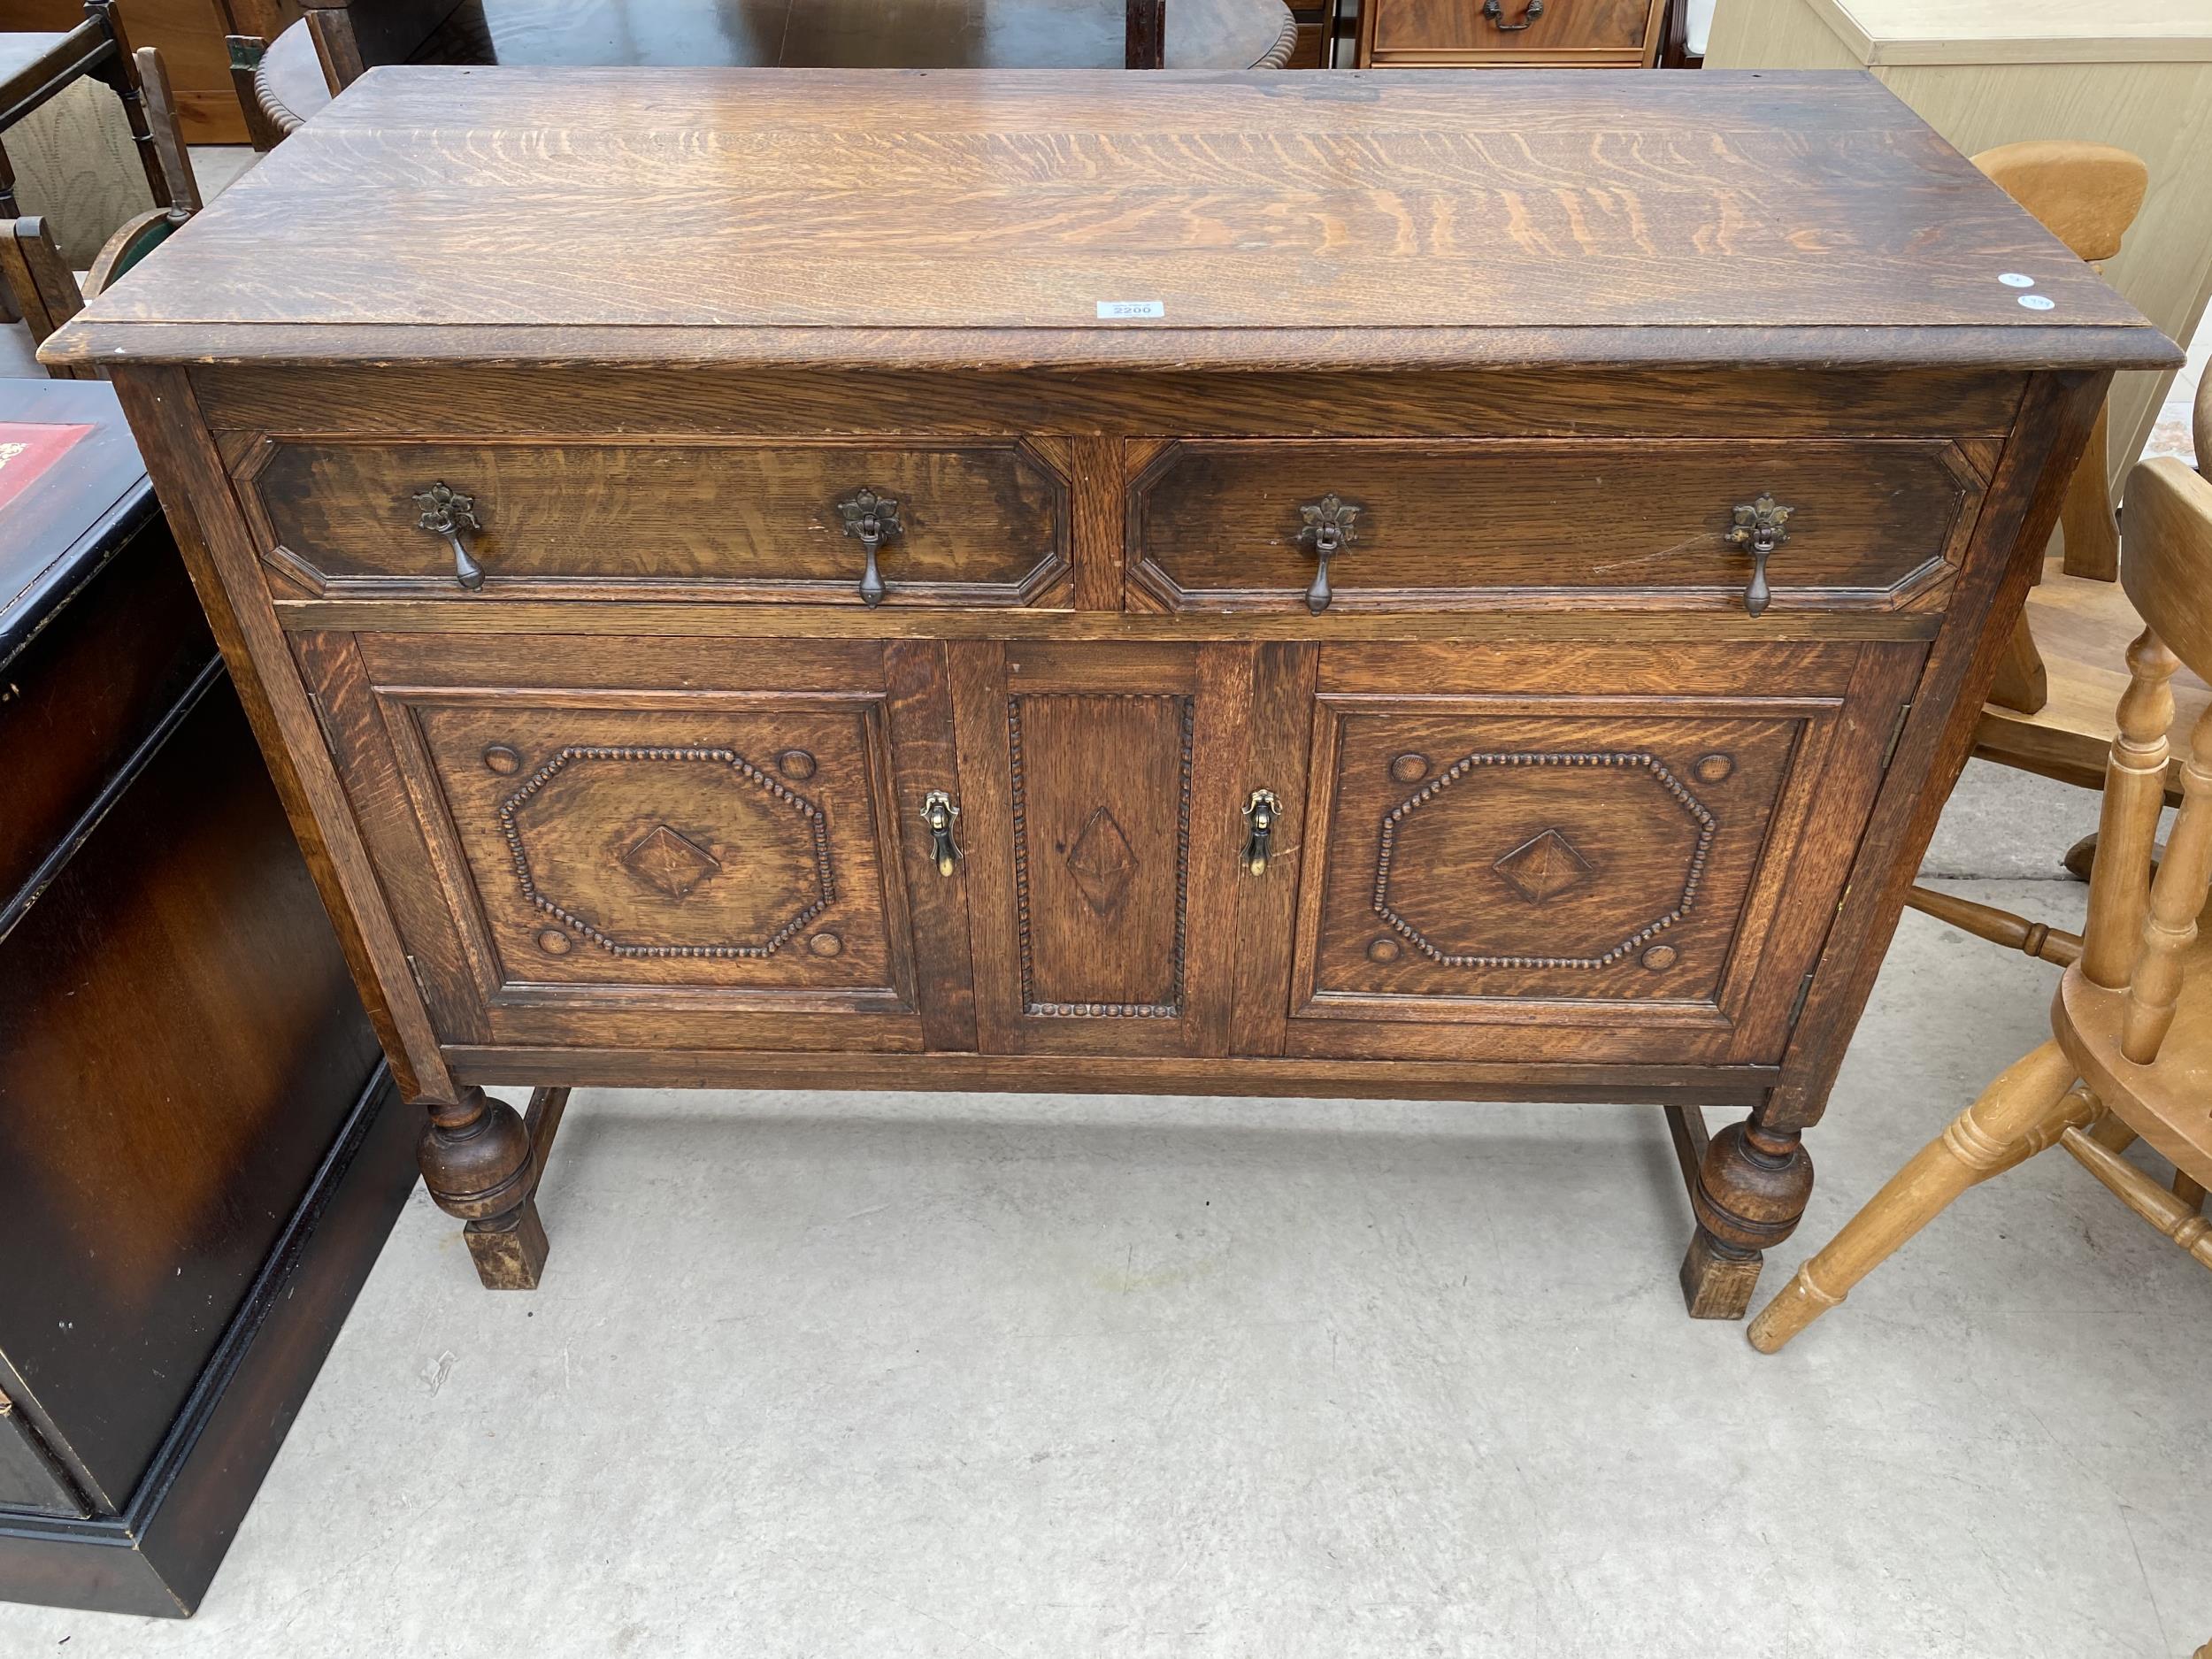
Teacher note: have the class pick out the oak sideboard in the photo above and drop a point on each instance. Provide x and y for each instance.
(1401, 584)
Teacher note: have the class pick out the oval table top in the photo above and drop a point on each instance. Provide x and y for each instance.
(1222, 34)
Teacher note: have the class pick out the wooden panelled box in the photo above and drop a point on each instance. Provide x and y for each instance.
(1366, 585)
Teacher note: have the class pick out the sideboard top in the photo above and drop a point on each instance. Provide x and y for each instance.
(994, 218)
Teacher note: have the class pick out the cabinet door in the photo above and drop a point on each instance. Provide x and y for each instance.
(653, 843)
(1556, 853)
(1103, 835)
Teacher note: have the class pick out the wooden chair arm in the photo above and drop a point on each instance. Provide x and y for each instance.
(33, 272)
(133, 242)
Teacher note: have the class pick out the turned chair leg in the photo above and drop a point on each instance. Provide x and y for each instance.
(1750, 1190)
(478, 1164)
(2024, 1111)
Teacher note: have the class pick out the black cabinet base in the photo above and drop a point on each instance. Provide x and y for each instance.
(158, 1557)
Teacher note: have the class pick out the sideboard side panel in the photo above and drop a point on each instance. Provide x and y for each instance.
(196, 492)
(2017, 516)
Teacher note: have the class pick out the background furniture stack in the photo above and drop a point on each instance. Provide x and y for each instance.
(2135, 73)
(338, 39)
(37, 272)
(74, 126)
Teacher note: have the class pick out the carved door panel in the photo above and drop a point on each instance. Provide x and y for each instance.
(1101, 839)
(685, 844)
(1510, 869)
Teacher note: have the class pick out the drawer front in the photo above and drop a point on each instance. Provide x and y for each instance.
(973, 524)
(1875, 524)
(655, 844)
(1596, 32)
(1635, 871)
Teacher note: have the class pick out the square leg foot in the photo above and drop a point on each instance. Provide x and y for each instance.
(1717, 1281)
(510, 1250)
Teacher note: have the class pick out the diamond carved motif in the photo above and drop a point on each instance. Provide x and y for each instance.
(1543, 867)
(1546, 865)
(1103, 862)
(663, 858)
(669, 862)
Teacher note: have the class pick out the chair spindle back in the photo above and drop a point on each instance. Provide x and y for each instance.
(2138, 930)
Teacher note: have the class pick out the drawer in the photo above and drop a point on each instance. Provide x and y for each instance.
(1613, 524)
(976, 523)
(1593, 32)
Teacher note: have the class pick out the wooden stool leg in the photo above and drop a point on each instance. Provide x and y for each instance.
(2030, 1104)
(1751, 1189)
(479, 1165)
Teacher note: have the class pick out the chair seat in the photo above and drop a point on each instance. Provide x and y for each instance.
(2082, 628)
(2169, 1102)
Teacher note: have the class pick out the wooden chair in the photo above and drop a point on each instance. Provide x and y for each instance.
(2131, 1049)
(46, 63)
(2086, 195)
(32, 267)
(2049, 709)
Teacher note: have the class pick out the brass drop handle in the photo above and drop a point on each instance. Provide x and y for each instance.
(1260, 813)
(938, 812)
(1495, 12)
(1761, 526)
(1328, 526)
(447, 512)
(872, 519)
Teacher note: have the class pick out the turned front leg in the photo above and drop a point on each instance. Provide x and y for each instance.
(1750, 1191)
(478, 1163)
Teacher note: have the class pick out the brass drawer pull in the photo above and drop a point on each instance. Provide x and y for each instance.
(874, 519)
(446, 512)
(1495, 12)
(939, 809)
(1328, 526)
(1761, 526)
(1260, 813)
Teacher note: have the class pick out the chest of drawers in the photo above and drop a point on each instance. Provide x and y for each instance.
(1284, 584)
(1510, 34)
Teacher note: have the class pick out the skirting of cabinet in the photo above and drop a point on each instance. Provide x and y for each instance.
(1116, 1074)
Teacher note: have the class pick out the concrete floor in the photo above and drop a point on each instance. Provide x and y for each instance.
(908, 1376)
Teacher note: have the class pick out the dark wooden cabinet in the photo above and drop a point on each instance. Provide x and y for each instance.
(1262, 585)
(200, 1151)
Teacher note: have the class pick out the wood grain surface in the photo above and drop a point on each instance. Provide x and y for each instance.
(1266, 214)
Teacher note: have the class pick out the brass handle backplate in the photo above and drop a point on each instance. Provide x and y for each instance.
(1760, 527)
(939, 809)
(1328, 526)
(872, 519)
(1494, 10)
(446, 512)
(1261, 814)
